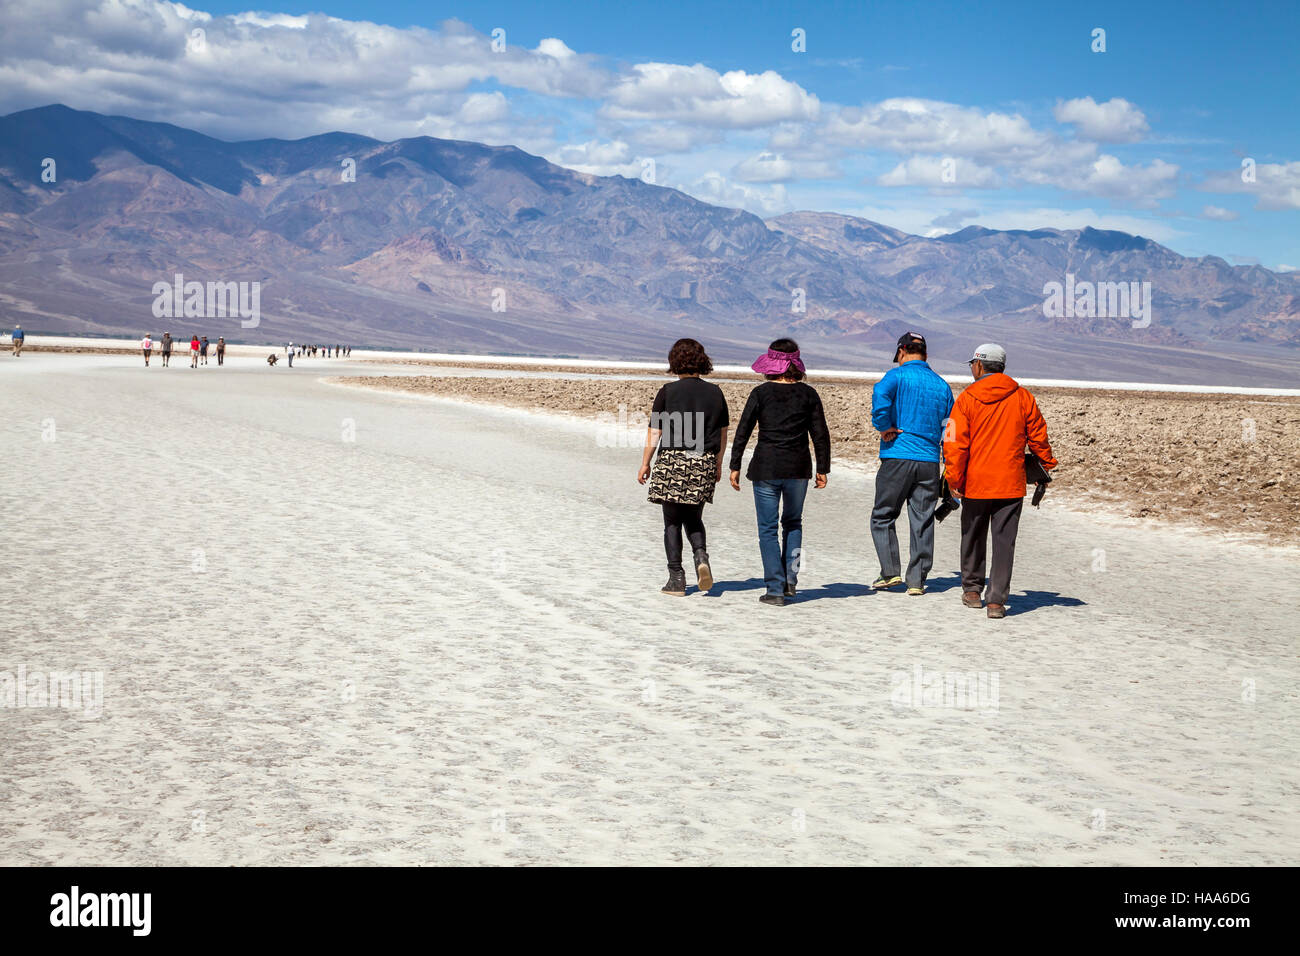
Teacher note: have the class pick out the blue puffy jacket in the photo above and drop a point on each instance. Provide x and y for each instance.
(911, 397)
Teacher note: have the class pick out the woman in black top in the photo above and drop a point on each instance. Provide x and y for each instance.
(788, 412)
(688, 425)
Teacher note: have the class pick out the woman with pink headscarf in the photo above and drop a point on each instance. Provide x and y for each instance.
(788, 412)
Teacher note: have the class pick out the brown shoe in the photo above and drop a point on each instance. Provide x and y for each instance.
(997, 610)
(971, 599)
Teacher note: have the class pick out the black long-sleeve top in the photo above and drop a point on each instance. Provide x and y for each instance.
(786, 414)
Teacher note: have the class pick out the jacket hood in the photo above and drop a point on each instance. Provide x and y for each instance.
(992, 389)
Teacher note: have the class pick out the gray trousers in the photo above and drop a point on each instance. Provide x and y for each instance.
(979, 518)
(915, 483)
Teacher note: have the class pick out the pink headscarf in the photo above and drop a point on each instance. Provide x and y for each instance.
(777, 363)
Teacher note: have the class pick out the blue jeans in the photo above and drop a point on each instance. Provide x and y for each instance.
(780, 558)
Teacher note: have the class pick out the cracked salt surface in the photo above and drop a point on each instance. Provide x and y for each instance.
(443, 643)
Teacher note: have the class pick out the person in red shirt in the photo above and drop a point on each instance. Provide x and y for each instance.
(194, 351)
(992, 422)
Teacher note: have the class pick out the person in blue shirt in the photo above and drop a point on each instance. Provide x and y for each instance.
(909, 407)
(18, 341)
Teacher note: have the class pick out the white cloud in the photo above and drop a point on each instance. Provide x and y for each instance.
(940, 172)
(713, 187)
(1276, 185)
(555, 48)
(775, 168)
(699, 94)
(1218, 213)
(598, 158)
(1142, 185)
(931, 127)
(1115, 121)
(261, 74)
(669, 137)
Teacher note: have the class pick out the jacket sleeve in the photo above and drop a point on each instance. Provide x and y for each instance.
(743, 430)
(1036, 433)
(882, 403)
(956, 447)
(821, 436)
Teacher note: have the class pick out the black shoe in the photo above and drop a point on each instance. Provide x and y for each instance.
(776, 600)
(702, 571)
(676, 585)
(790, 590)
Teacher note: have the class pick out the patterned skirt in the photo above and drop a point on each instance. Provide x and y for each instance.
(683, 477)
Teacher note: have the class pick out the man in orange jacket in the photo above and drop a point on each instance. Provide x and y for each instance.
(992, 422)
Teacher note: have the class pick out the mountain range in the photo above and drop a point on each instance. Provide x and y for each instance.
(454, 246)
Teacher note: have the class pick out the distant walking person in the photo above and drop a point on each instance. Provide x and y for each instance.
(221, 351)
(194, 351)
(166, 349)
(146, 346)
(18, 340)
(290, 358)
(688, 427)
(909, 406)
(992, 422)
(204, 350)
(788, 412)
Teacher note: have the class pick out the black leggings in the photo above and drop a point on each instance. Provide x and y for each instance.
(676, 517)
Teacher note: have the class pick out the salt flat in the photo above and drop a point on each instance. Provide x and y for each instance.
(340, 626)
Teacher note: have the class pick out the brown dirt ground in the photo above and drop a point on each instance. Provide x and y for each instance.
(1227, 462)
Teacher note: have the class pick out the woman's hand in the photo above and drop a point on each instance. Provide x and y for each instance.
(735, 480)
(643, 475)
(718, 477)
(821, 481)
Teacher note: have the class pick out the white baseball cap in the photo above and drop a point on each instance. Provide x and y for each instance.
(988, 352)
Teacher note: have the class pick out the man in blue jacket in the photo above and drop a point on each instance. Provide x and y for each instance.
(908, 407)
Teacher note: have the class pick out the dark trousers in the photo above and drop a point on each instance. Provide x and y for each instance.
(979, 516)
(676, 518)
(901, 480)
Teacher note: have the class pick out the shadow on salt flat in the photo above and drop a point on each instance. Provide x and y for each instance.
(1035, 600)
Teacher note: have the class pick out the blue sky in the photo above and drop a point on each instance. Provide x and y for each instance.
(924, 116)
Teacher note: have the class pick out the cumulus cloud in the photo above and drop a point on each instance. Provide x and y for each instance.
(271, 74)
(599, 158)
(1115, 121)
(1141, 185)
(775, 168)
(259, 74)
(929, 127)
(1275, 185)
(699, 94)
(713, 187)
(939, 172)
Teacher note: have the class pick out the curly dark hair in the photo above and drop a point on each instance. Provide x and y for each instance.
(687, 357)
(792, 373)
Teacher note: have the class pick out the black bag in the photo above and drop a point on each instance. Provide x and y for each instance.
(947, 503)
(1036, 474)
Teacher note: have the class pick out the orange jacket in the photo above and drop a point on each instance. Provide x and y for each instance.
(984, 444)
